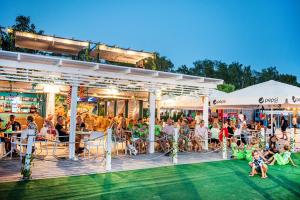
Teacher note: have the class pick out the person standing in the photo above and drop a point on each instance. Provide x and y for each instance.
(274, 125)
(32, 125)
(198, 118)
(284, 125)
(294, 122)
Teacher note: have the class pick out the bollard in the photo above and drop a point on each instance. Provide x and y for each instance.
(175, 146)
(224, 150)
(108, 149)
(292, 140)
(263, 136)
(206, 141)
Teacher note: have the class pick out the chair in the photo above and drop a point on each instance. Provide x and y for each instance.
(58, 142)
(2, 149)
(42, 139)
(96, 140)
(21, 142)
(119, 139)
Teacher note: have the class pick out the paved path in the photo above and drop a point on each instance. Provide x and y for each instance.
(52, 167)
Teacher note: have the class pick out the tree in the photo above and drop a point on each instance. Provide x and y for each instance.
(248, 77)
(235, 72)
(22, 23)
(183, 69)
(204, 68)
(289, 79)
(222, 71)
(159, 63)
(270, 73)
(226, 87)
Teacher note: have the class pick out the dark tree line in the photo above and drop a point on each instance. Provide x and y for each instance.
(235, 75)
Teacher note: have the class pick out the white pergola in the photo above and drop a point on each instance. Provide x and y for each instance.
(22, 67)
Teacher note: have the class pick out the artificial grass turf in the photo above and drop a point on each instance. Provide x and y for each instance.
(214, 180)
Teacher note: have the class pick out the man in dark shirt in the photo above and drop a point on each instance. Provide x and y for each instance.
(63, 134)
(15, 126)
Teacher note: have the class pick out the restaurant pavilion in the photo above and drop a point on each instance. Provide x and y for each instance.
(53, 79)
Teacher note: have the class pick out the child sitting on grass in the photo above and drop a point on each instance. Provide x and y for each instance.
(249, 149)
(257, 165)
(237, 151)
(283, 158)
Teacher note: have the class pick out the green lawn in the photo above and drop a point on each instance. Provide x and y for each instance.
(214, 180)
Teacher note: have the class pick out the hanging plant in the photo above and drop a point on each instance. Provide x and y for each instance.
(25, 172)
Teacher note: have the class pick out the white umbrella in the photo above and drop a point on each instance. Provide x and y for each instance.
(267, 94)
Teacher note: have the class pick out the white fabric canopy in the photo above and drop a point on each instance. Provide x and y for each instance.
(187, 102)
(268, 94)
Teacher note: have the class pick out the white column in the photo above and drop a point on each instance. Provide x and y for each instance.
(26, 171)
(73, 114)
(50, 104)
(224, 148)
(175, 146)
(108, 150)
(272, 121)
(292, 139)
(51, 90)
(152, 98)
(205, 110)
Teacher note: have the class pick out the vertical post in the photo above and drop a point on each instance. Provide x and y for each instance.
(224, 150)
(175, 146)
(292, 139)
(126, 108)
(206, 140)
(50, 103)
(51, 90)
(273, 133)
(27, 164)
(108, 150)
(263, 136)
(105, 108)
(115, 107)
(152, 97)
(73, 114)
(140, 108)
(205, 110)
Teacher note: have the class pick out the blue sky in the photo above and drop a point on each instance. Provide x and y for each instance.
(259, 33)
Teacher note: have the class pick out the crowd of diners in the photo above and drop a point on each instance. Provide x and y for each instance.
(193, 134)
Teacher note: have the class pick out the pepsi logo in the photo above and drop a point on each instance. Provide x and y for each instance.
(273, 100)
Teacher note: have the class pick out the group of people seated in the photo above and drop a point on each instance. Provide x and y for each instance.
(13, 126)
(136, 133)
